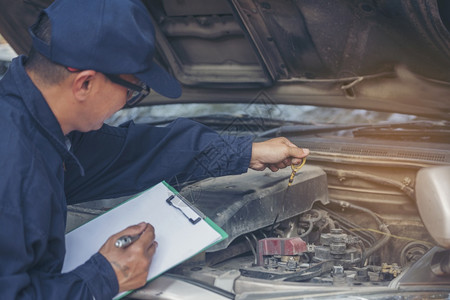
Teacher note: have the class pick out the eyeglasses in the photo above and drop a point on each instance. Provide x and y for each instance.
(135, 93)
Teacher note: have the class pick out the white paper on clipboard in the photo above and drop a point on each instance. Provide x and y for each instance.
(178, 237)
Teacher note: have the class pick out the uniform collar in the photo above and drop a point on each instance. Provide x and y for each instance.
(40, 111)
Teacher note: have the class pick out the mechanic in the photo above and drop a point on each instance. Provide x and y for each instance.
(89, 59)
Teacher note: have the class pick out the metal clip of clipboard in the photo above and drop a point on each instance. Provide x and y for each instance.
(193, 215)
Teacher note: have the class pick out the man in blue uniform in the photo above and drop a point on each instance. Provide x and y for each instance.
(89, 59)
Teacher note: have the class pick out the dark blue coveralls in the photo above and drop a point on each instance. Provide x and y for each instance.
(39, 176)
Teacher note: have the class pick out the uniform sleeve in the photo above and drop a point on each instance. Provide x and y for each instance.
(92, 279)
(32, 240)
(126, 160)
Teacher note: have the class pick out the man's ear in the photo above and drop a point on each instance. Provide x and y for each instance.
(82, 84)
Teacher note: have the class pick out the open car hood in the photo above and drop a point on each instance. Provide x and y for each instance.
(383, 55)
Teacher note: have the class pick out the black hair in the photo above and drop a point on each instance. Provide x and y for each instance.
(46, 70)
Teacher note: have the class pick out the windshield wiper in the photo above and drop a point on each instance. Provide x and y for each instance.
(226, 120)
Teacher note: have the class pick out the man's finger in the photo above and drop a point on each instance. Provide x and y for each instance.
(148, 235)
(297, 161)
(281, 165)
(287, 162)
(132, 230)
(273, 168)
(150, 252)
(152, 249)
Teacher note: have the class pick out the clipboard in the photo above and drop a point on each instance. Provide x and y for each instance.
(181, 230)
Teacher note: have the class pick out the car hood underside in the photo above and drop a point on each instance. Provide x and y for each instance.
(383, 55)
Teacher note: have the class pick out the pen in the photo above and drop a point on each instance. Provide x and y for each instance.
(126, 240)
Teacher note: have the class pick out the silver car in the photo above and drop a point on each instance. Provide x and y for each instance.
(365, 85)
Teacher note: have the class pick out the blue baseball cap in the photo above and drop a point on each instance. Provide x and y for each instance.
(108, 36)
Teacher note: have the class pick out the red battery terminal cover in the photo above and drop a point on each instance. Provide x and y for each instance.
(280, 246)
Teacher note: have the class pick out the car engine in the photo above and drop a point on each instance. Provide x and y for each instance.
(338, 224)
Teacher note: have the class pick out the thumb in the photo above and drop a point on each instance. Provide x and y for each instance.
(134, 229)
(296, 154)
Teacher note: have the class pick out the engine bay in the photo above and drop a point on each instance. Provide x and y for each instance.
(348, 220)
(302, 234)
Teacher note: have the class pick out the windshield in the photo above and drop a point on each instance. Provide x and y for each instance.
(289, 113)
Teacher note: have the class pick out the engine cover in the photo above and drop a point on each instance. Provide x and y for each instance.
(240, 204)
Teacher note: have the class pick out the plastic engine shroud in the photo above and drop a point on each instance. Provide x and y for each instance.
(247, 202)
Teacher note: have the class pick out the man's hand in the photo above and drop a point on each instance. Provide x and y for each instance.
(275, 154)
(131, 263)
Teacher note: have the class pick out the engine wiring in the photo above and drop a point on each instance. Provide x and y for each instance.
(383, 227)
(373, 178)
(394, 236)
